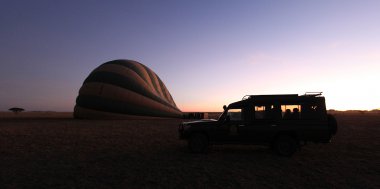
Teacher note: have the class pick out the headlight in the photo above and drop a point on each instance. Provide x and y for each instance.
(183, 127)
(180, 127)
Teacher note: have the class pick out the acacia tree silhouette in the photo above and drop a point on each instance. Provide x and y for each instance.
(16, 110)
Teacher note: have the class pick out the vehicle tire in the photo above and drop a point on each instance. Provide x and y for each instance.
(198, 143)
(286, 145)
(332, 124)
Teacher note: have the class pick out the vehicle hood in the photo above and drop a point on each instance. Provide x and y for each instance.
(202, 121)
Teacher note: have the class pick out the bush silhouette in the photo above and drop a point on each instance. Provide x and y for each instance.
(16, 110)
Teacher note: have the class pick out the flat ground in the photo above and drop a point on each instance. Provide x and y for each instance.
(56, 151)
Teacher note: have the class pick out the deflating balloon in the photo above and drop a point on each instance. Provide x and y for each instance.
(124, 89)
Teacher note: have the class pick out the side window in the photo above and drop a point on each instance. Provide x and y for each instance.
(291, 111)
(235, 114)
(259, 112)
(267, 111)
(311, 111)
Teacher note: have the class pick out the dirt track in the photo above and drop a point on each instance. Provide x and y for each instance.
(68, 153)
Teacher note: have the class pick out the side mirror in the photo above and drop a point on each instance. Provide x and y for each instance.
(227, 119)
(224, 107)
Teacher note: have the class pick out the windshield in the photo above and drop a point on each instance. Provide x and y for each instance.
(234, 114)
(222, 115)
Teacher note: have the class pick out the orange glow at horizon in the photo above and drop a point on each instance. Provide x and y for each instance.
(349, 81)
(352, 87)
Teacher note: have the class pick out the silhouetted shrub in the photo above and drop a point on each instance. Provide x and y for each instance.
(16, 110)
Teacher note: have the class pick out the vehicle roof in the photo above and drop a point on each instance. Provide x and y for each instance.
(279, 98)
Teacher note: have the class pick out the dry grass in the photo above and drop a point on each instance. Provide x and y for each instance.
(68, 153)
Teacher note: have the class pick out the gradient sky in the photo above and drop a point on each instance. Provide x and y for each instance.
(208, 53)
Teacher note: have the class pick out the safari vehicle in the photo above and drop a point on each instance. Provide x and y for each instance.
(282, 122)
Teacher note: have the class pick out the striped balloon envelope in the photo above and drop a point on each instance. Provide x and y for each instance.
(122, 89)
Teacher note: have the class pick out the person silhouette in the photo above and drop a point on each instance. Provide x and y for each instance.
(295, 114)
(276, 112)
(287, 114)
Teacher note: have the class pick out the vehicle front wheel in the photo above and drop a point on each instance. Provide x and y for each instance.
(198, 143)
(286, 145)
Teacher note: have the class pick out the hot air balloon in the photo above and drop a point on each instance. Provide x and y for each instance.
(124, 89)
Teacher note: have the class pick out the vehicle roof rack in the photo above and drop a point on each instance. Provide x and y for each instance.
(269, 96)
(313, 94)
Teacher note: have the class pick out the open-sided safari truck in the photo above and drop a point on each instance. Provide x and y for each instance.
(283, 122)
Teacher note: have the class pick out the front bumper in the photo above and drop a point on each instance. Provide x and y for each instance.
(181, 131)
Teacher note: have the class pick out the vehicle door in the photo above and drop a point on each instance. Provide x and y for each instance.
(314, 121)
(263, 125)
(229, 130)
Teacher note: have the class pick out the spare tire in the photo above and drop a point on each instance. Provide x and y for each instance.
(332, 124)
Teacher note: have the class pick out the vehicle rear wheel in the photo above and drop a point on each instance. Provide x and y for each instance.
(198, 143)
(286, 145)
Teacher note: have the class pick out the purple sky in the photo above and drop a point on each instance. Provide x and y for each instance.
(208, 53)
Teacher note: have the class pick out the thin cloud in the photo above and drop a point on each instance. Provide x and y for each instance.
(334, 45)
(264, 58)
